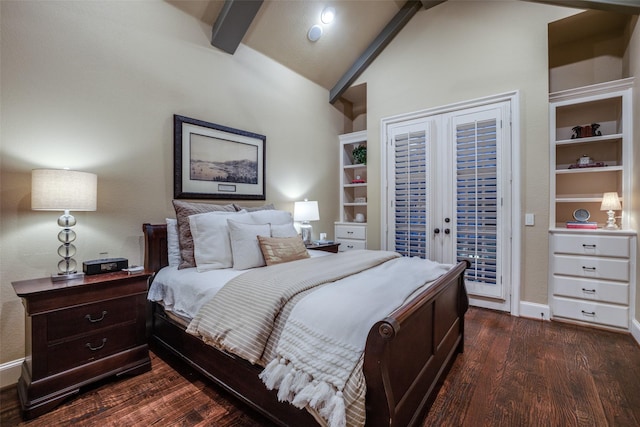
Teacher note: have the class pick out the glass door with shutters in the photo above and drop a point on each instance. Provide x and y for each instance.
(447, 188)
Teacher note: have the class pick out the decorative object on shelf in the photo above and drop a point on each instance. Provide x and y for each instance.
(611, 203)
(584, 160)
(360, 200)
(581, 215)
(64, 190)
(358, 180)
(586, 131)
(360, 154)
(211, 161)
(359, 217)
(304, 212)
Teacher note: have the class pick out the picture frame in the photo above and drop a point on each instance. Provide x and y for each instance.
(212, 161)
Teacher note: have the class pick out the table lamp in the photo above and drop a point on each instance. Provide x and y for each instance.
(610, 203)
(64, 190)
(304, 212)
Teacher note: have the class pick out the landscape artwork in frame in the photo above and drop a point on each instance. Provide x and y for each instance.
(217, 162)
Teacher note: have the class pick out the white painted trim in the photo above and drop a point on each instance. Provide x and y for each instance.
(534, 310)
(635, 330)
(10, 372)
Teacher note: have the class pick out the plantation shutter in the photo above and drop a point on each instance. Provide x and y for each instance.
(411, 195)
(478, 200)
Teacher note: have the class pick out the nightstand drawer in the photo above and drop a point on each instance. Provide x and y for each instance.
(592, 312)
(70, 354)
(349, 245)
(350, 232)
(591, 267)
(613, 246)
(90, 317)
(593, 290)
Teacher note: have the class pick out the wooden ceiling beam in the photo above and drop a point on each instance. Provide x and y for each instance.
(628, 7)
(233, 22)
(394, 26)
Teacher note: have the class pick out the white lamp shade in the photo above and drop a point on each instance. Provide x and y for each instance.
(306, 211)
(610, 202)
(61, 189)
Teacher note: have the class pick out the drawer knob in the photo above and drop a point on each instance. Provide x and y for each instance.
(90, 347)
(92, 320)
(588, 291)
(589, 313)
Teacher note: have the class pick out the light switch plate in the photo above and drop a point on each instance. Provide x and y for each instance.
(529, 219)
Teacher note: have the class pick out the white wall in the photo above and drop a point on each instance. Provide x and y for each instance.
(93, 86)
(462, 50)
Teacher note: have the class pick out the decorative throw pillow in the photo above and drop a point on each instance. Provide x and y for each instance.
(244, 243)
(276, 250)
(173, 246)
(255, 208)
(211, 242)
(183, 211)
(271, 217)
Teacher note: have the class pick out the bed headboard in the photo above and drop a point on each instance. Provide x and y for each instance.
(155, 246)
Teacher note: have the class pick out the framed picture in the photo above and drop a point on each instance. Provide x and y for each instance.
(216, 162)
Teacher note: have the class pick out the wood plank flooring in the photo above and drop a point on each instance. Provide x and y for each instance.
(514, 372)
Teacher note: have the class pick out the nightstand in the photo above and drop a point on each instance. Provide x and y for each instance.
(327, 247)
(78, 332)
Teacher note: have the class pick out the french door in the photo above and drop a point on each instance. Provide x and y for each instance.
(448, 194)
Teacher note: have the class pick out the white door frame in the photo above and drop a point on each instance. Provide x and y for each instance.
(513, 281)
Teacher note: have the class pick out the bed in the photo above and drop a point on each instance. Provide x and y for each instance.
(406, 356)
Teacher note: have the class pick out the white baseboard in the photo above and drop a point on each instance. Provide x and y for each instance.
(534, 310)
(10, 372)
(635, 330)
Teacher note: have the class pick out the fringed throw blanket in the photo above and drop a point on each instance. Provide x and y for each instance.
(241, 316)
(325, 334)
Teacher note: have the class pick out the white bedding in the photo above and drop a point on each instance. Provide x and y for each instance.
(184, 291)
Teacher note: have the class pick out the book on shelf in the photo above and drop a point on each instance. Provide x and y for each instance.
(588, 225)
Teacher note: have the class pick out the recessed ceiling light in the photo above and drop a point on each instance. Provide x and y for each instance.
(328, 14)
(314, 33)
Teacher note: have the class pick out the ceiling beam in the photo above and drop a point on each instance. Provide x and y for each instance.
(394, 26)
(233, 22)
(628, 7)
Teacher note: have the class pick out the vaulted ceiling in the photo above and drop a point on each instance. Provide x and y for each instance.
(278, 29)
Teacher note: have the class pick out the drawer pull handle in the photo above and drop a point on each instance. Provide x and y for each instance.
(589, 291)
(349, 232)
(90, 347)
(589, 313)
(588, 268)
(90, 319)
(589, 246)
(350, 246)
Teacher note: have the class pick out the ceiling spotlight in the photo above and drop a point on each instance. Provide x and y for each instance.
(327, 15)
(314, 33)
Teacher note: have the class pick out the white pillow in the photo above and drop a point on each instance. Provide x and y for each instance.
(283, 230)
(173, 246)
(211, 243)
(270, 217)
(244, 244)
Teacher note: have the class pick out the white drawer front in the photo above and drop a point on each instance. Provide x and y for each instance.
(349, 245)
(593, 290)
(591, 267)
(614, 246)
(350, 232)
(604, 314)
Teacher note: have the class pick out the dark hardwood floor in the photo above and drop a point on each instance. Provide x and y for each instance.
(514, 372)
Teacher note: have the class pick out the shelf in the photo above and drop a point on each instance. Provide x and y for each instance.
(581, 198)
(590, 170)
(359, 204)
(359, 184)
(356, 166)
(602, 138)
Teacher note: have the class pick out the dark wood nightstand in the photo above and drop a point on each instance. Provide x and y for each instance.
(78, 332)
(327, 247)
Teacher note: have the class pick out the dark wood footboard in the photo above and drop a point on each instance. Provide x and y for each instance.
(407, 354)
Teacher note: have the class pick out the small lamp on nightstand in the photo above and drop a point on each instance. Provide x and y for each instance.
(304, 212)
(64, 190)
(610, 203)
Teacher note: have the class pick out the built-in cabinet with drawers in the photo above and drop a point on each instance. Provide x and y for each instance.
(591, 271)
(351, 229)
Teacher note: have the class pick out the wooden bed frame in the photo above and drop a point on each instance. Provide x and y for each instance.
(407, 354)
